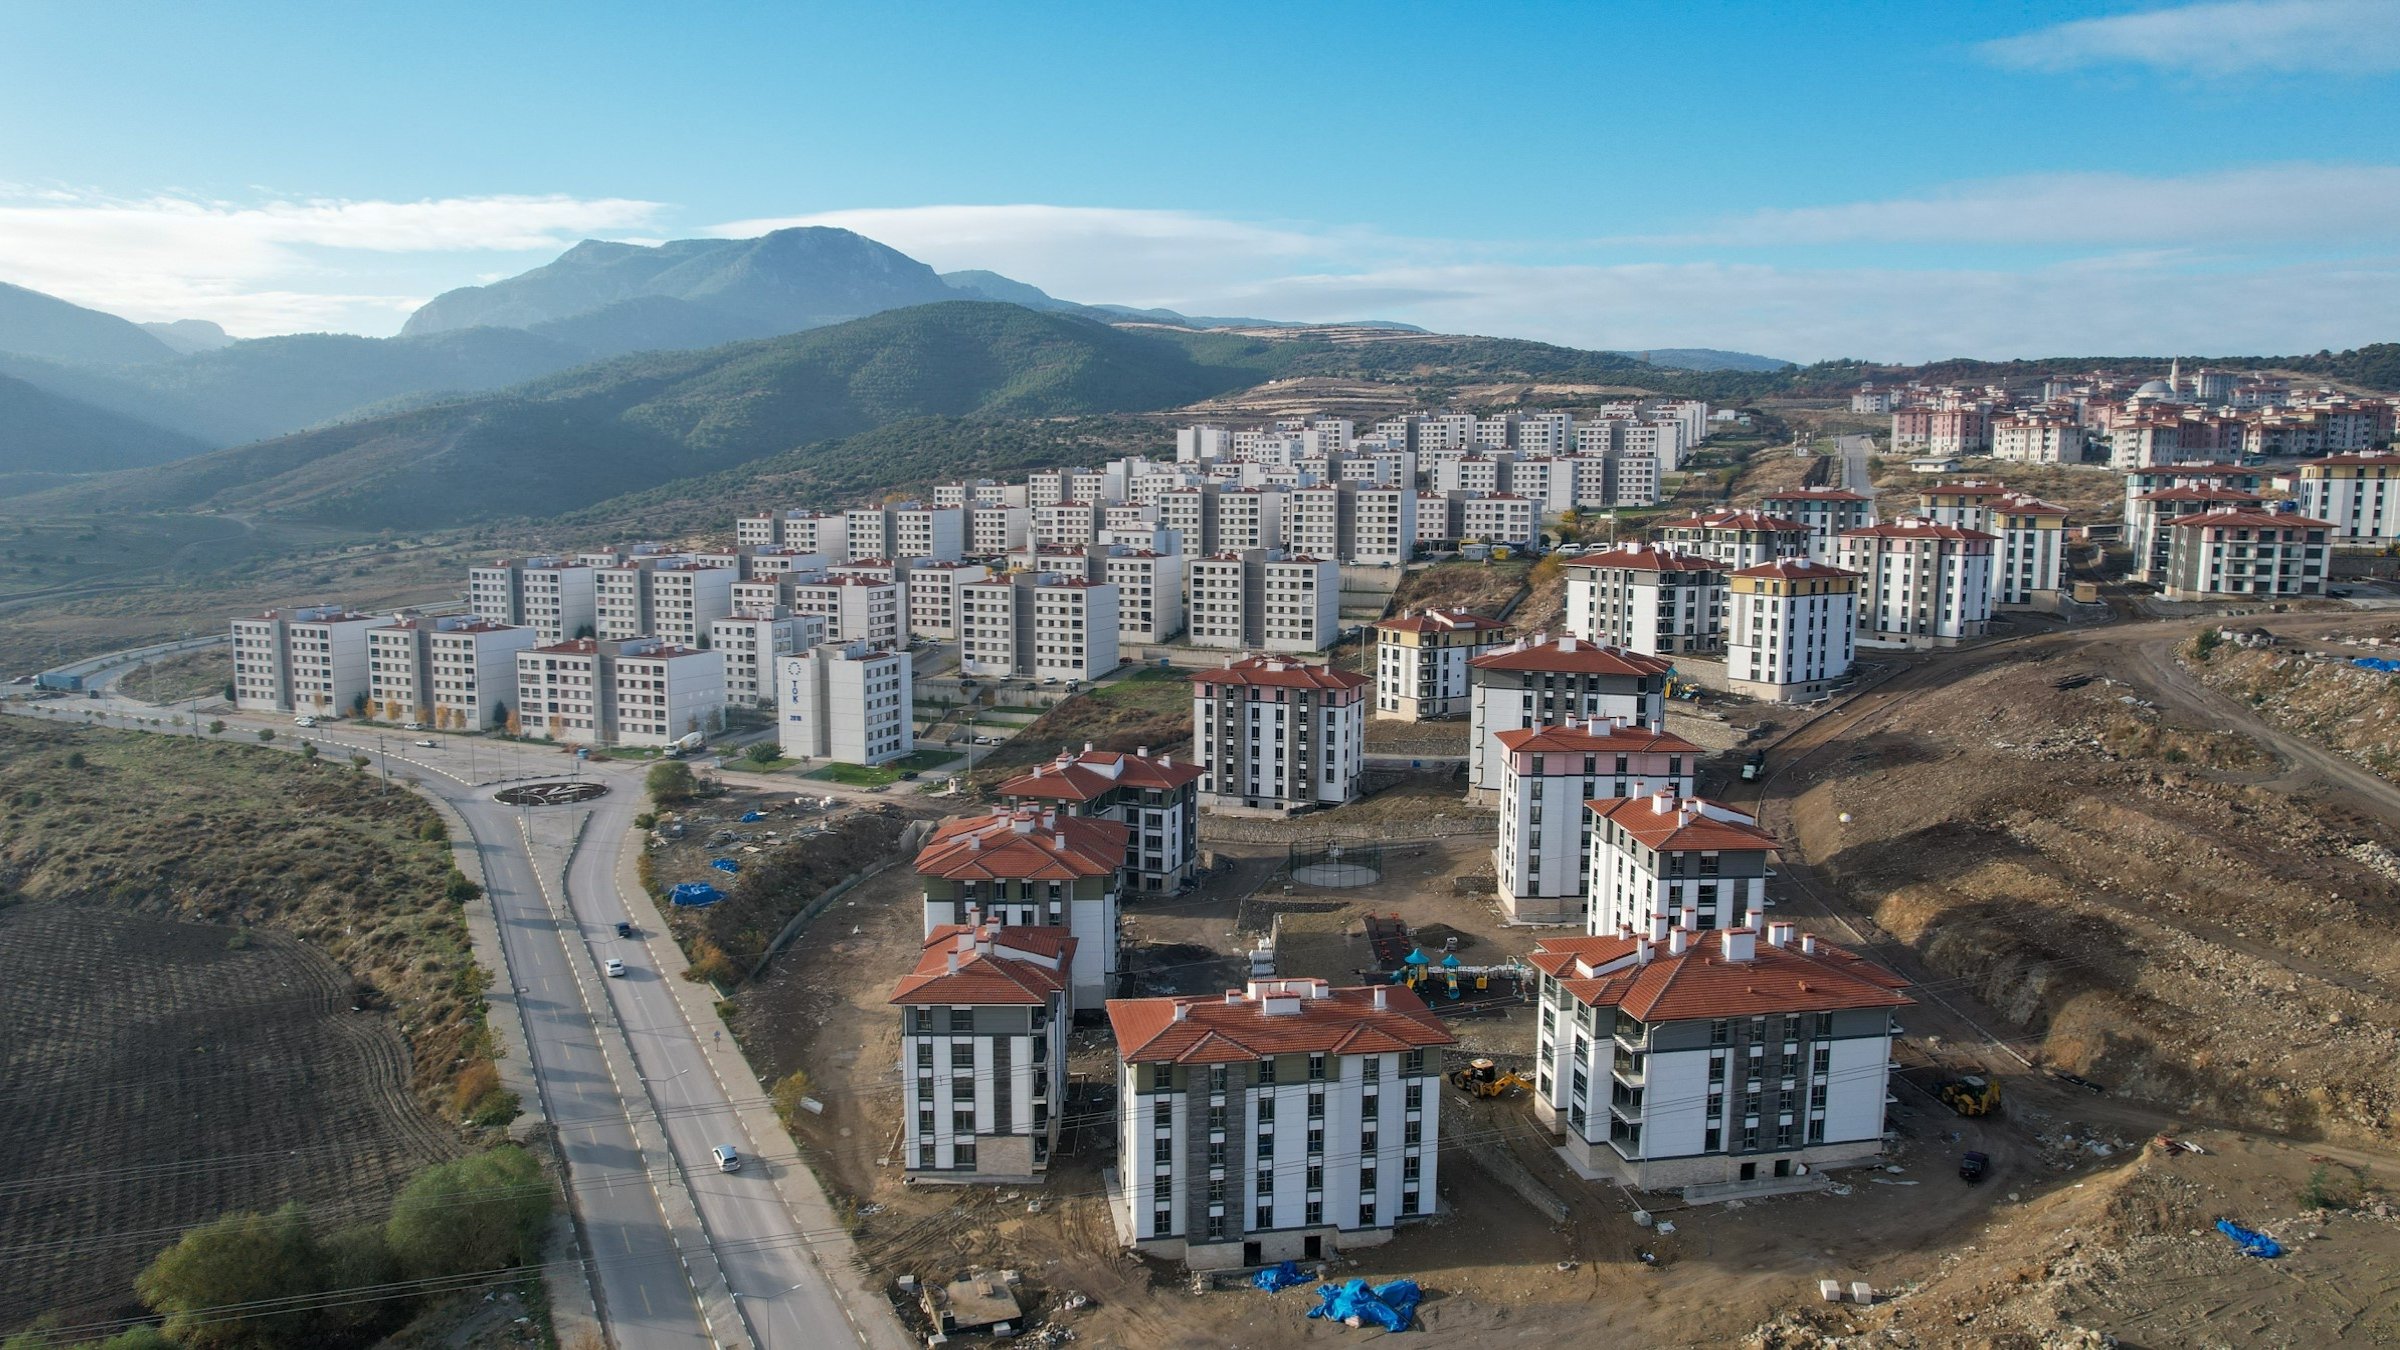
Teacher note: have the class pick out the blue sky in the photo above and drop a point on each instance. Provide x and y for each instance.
(1897, 181)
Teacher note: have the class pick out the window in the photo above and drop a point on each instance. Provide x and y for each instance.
(1162, 1114)
(1162, 1150)
(962, 1054)
(1266, 1110)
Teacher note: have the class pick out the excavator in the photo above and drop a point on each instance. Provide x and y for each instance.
(1971, 1094)
(1484, 1080)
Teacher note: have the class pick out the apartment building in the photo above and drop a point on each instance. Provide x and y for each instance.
(2142, 482)
(309, 659)
(2029, 535)
(2039, 436)
(1736, 539)
(1274, 735)
(1792, 629)
(2152, 529)
(1921, 584)
(993, 530)
(1191, 512)
(2247, 553)
(684, 599)
(1285, 1120)
(1673, 1057)
(1028, 868)
(637, 691)
(1155, 799)
(849, 702)
(855, 608)
(1824, 512)
(1262, 600)
(2358, 496)
(933, 596)
(1150, 594)
(1383, 527)
(1421, 662)
(1038, 625)
(985, 1019)
(1499, 518)
(1248, 518)
(1647, 598)
(1540, 681)
(936, 532)
(753, 643)
(1437, 521)
(1323, 520)
(555, 597)
(450, 671)
(1547, 775)
(1663, 855)
(1067, 524)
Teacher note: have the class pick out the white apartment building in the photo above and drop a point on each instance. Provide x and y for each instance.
(453, 671)
(1825, 512)
(1671, 1057)
(684, 599)
(849, 702)
(1665, 856)
(1476, 474)
(1286, 1120)
(638, 691)
(855, 608)
(2142, 482)
(752, 644)
(984, 1024)
(2246, 552)
(1274, 735)
(1194, 444)
(2152, 529)
(1635, 475)
(1322, 520)
(867, 532)
(1383, 529)
(1038, 625)
(1437, 521)
(1067, 524)
(826, 532)
(995, 530)
(1648, 599)
(1247, 518)
(1921, 584)
(1547, 774)
(1262, 601)
(2358, 496)
(1421, 662)
(2041, 436)
(1500, 518)
(1736, 539)
(1791, 630)
(555, 597)
(1541, 681)
(1191, 512)
(1032, 867)
(310, 659)
(933, 597)
(935, 532)
(1155, 799)
(1150, 594)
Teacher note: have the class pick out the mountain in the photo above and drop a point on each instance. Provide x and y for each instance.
(789, 280)
(189, 335)
(49, 434)
(44, 326)
(982, 285)
(624, 425)
(993, 286)
(1709, 358)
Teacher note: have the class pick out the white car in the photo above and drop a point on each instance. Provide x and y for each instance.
(615, 968)
(304, 720)
(425, 745)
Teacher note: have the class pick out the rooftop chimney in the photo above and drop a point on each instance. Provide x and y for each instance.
(1808, 944)
(1566, 644)
(1677, 940)
(1779, 934)
(1182, 1010)
(1738, 944)
(1690, 918)
(1661, 802)
(1658, 927)
(1383, 1002)
(952, 962)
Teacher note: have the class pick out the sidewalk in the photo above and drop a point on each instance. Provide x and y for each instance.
(835, 1255)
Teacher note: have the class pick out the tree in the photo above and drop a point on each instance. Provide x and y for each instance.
(515, 728)
(763, 752)
(241, 1258)
(308, 749)
(217, 727)
(485, 1212)
(358, 703)
(502, 717)
(670, 783)
(266, 733)
(356, 1257)
(229, 694)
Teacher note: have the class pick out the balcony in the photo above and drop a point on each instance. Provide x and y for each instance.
(1633, 1073)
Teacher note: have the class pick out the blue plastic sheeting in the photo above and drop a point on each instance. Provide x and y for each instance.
(696, 893)
(2252, 1243)
(1390, 1306)
(725, 864)
(1276, 1279)
(753, 817)
(2382, 663)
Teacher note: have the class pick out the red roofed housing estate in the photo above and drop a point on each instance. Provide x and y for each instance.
(1547, 774)
(1792, 629)
(1421, 661)
(1155, 799)
(1032, 869)
(1281, 1121)
(1647, 598)
(1541, 682)
(2248, 552)
(1664, 856)
(983, 1052)
(1277, 735)
(1676, 1057)
(1922, 584)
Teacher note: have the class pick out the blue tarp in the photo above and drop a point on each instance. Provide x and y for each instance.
(2252, 1243)
(696, 893)
(1276, 1279)
(725, 864)
(753, 817)
(1390, 1306)
(2382, 663)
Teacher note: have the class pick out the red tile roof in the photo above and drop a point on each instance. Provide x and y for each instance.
(1652, 558)
(1440, 620)
(2199, 492)
(1023, 846)
(1684, 825)
(1702, 982)
(1281, 672)
(1096, 773)
(1975, 488)
(1795, 569)
(1569, 655)
(1237, 1026)
(2247, 519)
(1735, 520)
(1815, 495)
(1914, 527)
(961, 965)
(1608, 739)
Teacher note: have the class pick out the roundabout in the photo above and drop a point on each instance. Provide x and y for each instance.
(551, 794)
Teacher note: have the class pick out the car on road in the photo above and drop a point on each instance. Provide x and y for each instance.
(1972, 1167)
(624, 928)
(1755, 767)
(424, 745)
(987, 740)
(615, 968)
(304, 720)
(909, 775)
(728, 1159)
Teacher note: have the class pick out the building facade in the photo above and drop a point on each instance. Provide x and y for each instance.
(1681, 859)
(984, 1023)
(311, 659)
(2247, 553)
(1542, 681)
(1653, 600)
(1920, 584)
(1792, 630)
(1547, 775)
(849, 702)
(1155, 799)
(1421, 662)
(1029, 868)
(1275, 735)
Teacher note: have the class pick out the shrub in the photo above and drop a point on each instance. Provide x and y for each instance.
(241, 1258)
(670, 783)
(459, 890)
(485, 1212)
(266, 733)
(217, 727)
(308, 750)
(474, 1081)
(75, 759)
(360, 761)
(787, 1094)
(647, 820)
(433, 832)
(763, 752)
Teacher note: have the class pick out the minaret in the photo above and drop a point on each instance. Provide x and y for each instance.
(2175, 373)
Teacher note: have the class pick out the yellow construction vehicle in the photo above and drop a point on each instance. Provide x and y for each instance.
(1483, 1080)
(1970, 1094)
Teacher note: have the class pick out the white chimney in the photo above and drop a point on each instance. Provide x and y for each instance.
(1779, 934)
(1661, 802)
(1738, 944)
(953, 962)
(1690, 916)
(1382, 1002)
(1566, 644)
(1677, 940)
(1808, 944)
(1182, 1010)
(1658, 927)
(1143, 753)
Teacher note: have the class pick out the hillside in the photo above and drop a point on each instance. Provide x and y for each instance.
(44, 326)
(48, 433)
(580, 437)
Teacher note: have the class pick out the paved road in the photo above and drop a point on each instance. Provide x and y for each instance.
(1856, 475)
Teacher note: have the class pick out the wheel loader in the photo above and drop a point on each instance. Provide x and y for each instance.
(1484, 1080)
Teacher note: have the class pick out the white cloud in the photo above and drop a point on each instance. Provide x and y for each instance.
(2271, 204)
(249, 267)
(2342, 37)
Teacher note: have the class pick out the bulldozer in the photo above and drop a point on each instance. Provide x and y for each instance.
(1970, 1094)
(1484, 1080)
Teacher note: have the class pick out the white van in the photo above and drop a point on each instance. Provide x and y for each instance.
(727, 1159)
